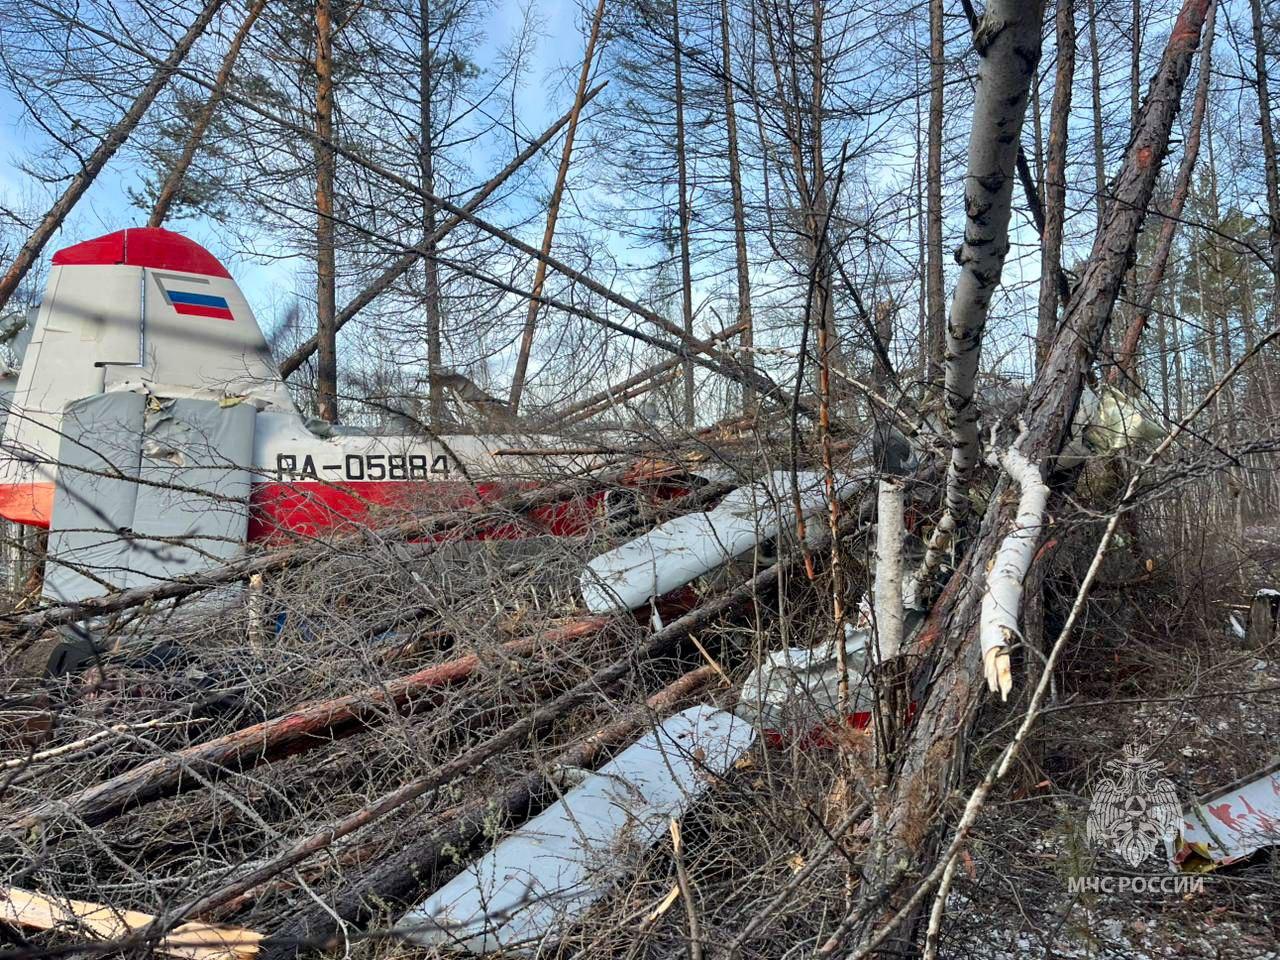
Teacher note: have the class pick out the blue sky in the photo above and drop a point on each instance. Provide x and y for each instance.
(106, 207)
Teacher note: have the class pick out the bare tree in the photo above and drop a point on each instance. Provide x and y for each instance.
(98, 159)
(1055, 193)
(326, 269)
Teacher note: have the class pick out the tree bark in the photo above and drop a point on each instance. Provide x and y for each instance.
(115, 139)
(326, 270)
(1126, 357)
(1055, 188)
(682, 184)
(178, 173)
(928, 764)
(553, 213)
(1135, 64)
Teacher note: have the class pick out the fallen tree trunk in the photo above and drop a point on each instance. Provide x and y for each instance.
(529, 727)
(308, 726)
(403, 879)
(931, 761)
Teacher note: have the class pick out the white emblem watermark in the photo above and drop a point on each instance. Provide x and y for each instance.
(1133, 811)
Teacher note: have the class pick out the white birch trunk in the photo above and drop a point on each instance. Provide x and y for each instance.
(998, 622)
(888, 586)
(1008, 43)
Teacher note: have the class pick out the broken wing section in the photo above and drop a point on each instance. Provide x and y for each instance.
(681, 550)
(1230, 825)
(547, 874)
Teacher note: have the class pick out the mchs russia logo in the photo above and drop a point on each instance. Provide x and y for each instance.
(1134, 810)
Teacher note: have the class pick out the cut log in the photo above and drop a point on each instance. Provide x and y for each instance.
(191, 941)
(291, 733)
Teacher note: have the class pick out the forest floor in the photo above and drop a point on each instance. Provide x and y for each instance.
(1151, 662)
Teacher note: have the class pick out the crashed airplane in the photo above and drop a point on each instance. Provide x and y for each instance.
(152, 434)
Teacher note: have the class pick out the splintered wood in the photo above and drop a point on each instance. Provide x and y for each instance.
(191, 941)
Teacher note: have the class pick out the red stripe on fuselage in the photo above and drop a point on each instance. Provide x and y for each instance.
(310, 507)
(27, 503)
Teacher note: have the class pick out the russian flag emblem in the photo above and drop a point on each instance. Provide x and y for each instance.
(190, 304)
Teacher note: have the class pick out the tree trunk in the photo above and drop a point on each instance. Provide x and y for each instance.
(1126, 358)
(937, 311)
(1055, 189)
(823, 318)
(1008, 45)
(326, 270)
(1095, 84)
(553, 213)
(739, 209)
(178, 173)
(1263, 87)
(427, 174)
(932, 756)
(35, 244)
(682, 183)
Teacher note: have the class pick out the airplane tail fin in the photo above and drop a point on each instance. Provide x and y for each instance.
(141, 309)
